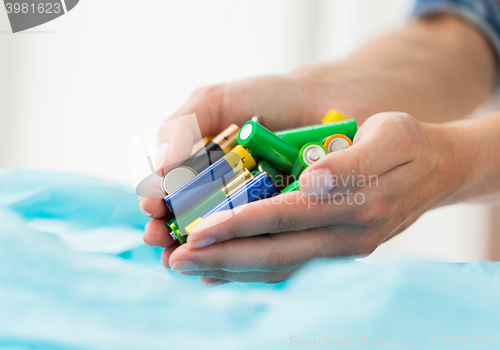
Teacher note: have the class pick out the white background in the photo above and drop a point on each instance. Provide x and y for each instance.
(74, 92)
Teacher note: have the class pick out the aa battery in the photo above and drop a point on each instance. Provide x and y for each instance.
(336, 142)
(309, 154)
(254, 155)
(175, 232)
(267, 145)
(215, 175)
(207, 139)
(333, 116)
(209, 153)
(260, 187)
(202, 143)
(292, 187)
(316, 133)
(276, 175)
(213, 150)
(259, 120)
(178, 224)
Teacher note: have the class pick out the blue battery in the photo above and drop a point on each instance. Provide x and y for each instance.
(260, 187)
(215, 175)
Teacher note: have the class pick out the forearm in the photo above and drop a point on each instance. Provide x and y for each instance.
(436, 69)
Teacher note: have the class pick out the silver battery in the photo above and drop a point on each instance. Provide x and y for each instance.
(259, 120)
(312, 154)
(337, 145)
(177, 177)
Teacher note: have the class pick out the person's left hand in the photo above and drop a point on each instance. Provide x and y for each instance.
(350, 202)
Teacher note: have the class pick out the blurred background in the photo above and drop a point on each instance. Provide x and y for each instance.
(74, 92)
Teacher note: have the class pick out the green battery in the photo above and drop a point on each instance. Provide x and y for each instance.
(309, 154)
(178, 224)
(316, 133)
(176, 233)
(292, 188)
(254, 155)
(276, 175)
(267, 145)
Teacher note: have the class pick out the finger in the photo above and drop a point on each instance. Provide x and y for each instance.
(212, 282)
(218, 106)
(214, 278)
(165, 255)
(269, 253)
(200, 116)
(176, 138)
(206, 103)
(157, 234)
(152, 207)
(204, 114)
(284, 213)
(385, 141)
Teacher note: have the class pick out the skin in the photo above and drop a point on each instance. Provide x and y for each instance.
(437, 69)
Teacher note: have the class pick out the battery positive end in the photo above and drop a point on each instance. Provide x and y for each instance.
(246, 131)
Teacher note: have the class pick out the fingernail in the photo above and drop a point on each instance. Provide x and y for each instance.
(201, 243)
(184, 266)
(161, 155)
(190, 273)
(212, 283)
(141, 208)
(317, 182)
(216, 283)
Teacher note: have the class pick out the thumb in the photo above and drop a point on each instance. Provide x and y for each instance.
(383, 142)
(198, 118)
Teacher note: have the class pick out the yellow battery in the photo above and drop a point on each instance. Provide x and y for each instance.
(333, 116)
(246, 158)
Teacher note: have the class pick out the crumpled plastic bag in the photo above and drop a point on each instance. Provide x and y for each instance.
(75, 274)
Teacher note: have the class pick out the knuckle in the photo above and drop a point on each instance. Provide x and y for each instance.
(218, 258)
(360, 163)
(407, 130)
(370, 215)
(285, 222)
(217, 263)
(277, 259)
(206, 92)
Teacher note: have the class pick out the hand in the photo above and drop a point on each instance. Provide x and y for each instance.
(285, 102)
(400, 170)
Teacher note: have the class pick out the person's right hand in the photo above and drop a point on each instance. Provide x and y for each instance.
(284, 102)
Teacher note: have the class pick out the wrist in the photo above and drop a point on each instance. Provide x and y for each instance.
(450, 173)
(470, 155)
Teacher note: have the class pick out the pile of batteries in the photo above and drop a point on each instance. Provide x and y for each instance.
(239, 166)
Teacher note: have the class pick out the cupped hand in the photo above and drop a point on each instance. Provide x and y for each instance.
(350, 202)
(284, 101)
